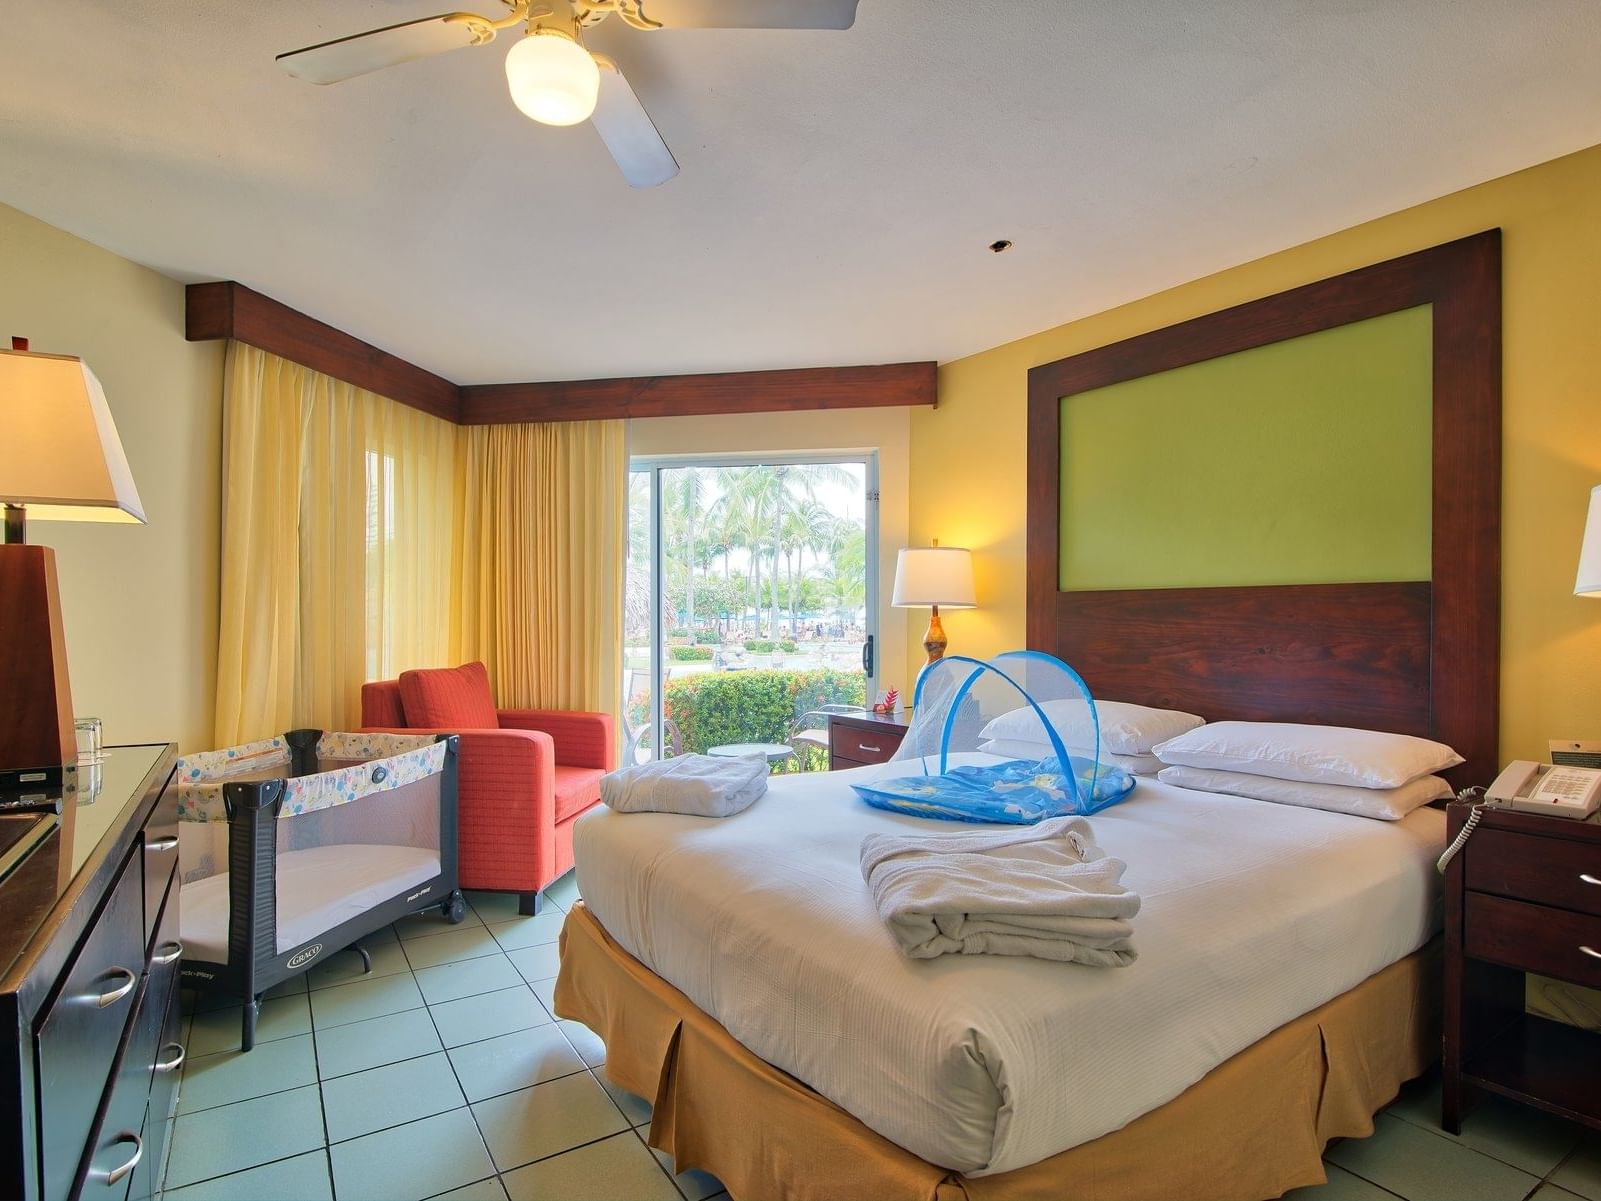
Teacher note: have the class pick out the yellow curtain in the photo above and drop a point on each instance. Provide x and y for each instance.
(540, 561)
(362, 537)
(338, 530)
(260, 589)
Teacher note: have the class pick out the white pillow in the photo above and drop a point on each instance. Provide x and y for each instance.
(1135, 765)
(1125, 729)
(1314, 754)
(1388, 804)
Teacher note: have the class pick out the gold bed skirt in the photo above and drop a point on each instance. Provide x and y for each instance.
(1253, 1127)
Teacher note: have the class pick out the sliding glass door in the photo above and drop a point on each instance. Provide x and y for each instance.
(751, 601)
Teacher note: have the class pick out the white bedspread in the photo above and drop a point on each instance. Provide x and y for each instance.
(1253, 914)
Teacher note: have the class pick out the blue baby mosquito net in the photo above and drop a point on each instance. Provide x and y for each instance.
(967, 711)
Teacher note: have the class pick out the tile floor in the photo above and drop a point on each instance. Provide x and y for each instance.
(445, 1074)
(1506, 1152)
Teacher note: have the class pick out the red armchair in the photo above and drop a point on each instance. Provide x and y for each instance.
(524, 775)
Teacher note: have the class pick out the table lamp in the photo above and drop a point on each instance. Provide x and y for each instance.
(60, 460)
(1588, 582)
(934, 575)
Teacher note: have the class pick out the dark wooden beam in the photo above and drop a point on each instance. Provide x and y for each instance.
(701, 395)
(231, 310)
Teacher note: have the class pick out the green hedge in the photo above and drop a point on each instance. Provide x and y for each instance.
(690, 654)
(754, 706)
(708, 638)
(759, 646)
(788, 645)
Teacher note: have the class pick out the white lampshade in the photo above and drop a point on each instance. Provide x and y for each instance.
(552, 78)
(60, 457)
(934, 575)
(1589, 580)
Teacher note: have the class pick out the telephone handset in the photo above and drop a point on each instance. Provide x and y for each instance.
(1571, 792)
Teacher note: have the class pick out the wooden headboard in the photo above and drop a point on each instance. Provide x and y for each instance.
(1415, 657)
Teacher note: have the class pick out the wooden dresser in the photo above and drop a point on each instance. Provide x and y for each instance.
(859, 738)
(89, 957)
(1523, 896)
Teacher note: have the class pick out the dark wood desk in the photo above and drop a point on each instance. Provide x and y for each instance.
(1524, 895)
(89, 957)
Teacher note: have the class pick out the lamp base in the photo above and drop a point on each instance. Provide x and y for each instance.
(36, 735)
(934, 641)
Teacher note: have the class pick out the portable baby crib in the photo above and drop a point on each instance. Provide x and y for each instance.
(292, 848)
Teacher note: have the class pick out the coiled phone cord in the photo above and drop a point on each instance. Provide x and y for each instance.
(1467, 794)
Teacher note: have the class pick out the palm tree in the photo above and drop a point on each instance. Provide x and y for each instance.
(767, 511)
(740, 519)
(771, 494)
(639, 517)
(847, 554)
(683, 498)
(776, 500)
(636, 585)
(807, 526)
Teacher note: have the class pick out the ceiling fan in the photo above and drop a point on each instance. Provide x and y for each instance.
(553, 79)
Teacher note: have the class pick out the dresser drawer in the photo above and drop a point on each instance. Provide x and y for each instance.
(160, 856)
(854, 747)
(1527, 867)
(1535, 938)
(146, 1075)
(78, 1035)
(122, 1136)
(142, 1184)
(164, 1088)
(165, 1051)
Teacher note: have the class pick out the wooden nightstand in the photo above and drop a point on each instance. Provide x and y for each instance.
(1524, 895)
(856, 739)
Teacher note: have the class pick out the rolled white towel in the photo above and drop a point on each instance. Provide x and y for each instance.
(1044, 890)
(697, 785)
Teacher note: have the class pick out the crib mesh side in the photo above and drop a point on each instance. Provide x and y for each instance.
(407, 816)
(202, 850)
(333, 863)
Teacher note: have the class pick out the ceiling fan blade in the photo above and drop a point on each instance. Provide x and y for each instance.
(345, 58)
(751, 14)
(628, 131)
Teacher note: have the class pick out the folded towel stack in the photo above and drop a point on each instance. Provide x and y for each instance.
(1045, 890)
(697, 785)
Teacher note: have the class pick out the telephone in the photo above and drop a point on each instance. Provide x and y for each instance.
(1571, 792)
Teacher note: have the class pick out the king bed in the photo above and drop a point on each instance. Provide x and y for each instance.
(1286, 985)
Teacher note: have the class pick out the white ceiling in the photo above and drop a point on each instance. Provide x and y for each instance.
(838, 190)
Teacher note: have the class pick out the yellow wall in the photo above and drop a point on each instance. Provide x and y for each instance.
(139, 602)
(884, 430)
(967, 474)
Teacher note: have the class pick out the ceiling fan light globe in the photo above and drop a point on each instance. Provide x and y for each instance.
(552, 79)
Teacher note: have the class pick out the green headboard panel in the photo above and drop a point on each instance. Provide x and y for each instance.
(1302, 461)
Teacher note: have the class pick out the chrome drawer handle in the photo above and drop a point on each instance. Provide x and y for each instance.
(1591, 952)
(862, 746)
(1588, 878)
(171, 956)
(122, 990)
(116, 1175)
(173, 1064)
(170, 842)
